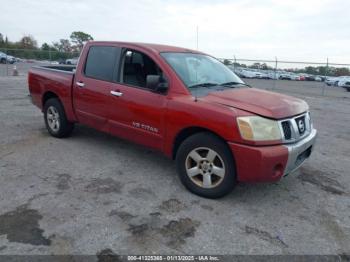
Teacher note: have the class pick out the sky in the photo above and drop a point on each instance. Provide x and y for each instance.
(309, 30)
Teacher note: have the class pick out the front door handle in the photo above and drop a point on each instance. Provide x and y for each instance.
(116, 93)
(80, 84)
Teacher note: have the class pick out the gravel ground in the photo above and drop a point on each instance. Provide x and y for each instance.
(91, 193)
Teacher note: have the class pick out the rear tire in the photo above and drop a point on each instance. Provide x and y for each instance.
(206, 166)
(55, 119)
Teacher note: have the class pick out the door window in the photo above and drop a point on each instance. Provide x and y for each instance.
(136, 66)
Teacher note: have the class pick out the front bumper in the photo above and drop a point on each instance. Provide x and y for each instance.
(299, 152)
(270, 163)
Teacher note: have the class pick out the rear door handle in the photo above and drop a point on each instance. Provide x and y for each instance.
(80, 84)
(116, 93)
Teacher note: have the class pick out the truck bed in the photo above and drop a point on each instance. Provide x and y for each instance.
(44, 81)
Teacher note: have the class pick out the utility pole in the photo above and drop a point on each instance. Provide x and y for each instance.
(325, 76)
(275, 74)
(197, 37)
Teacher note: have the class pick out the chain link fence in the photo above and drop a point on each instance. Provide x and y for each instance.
(305, 78)
(19, 61)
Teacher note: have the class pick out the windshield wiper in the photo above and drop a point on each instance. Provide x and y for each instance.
(234, 83)
(203, 85)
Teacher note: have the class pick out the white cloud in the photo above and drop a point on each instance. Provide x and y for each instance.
(290, 29)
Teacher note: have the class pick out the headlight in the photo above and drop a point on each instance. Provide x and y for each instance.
(257, 128)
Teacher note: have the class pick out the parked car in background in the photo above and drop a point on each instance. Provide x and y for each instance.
(295, 77)
(3, 59)
(346, 85)
(330, 81)
(258, 75)
(251, 73)
(11, 59)
(323, 78)
(248, 74)
(273, 75)
(6, 59)
(285, 76)
(318, 79)
(343, 81)
(302, 77)
(61, 61)
(72, 61)
(309, 78)
(263, 75)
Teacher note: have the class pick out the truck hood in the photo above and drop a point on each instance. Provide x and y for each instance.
(258, 101)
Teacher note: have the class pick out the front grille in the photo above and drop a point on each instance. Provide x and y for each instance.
(287, 131)
(295, 128)
(300, 121)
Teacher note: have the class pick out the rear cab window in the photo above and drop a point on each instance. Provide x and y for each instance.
(120, 65)
(102, 63)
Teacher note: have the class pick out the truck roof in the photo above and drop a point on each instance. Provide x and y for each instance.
(157, 48)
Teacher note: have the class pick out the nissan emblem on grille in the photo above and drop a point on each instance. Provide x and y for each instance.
(301, 126)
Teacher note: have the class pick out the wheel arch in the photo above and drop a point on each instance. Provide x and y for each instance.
(187, 132)
(48, 95)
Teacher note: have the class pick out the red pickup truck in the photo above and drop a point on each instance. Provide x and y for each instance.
(182, 102)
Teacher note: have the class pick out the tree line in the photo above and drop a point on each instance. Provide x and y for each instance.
(27, 47)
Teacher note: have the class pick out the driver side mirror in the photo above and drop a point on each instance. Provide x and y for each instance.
(156, 83)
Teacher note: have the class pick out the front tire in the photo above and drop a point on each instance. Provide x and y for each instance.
(205, 165)
(55, 119)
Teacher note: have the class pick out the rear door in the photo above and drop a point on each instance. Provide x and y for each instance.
(93, 85)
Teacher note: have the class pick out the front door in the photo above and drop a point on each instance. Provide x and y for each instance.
(137, 113)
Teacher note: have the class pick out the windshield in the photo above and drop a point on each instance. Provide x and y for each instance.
(197, 70)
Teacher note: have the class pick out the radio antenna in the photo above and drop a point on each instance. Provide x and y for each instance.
(195, 92)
